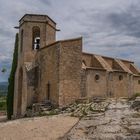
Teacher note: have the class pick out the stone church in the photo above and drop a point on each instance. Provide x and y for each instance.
(60, 72)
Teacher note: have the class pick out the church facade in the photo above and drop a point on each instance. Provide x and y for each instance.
(60, 72)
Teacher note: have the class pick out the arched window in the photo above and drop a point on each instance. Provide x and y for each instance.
(21, 41)
(97, 77)
(36, 38)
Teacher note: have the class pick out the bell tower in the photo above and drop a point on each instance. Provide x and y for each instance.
(35, 32)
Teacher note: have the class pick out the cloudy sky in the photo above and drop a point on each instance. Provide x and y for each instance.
(108, 27)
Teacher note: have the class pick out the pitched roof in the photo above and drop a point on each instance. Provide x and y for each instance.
(103, 62)
(123, 66)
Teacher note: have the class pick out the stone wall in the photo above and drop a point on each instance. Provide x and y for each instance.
(108, 84)
(49, 73)
(120, 85)
(50, 34)
(136, 84)
(96, 87)
(70, 71)
(27, 54)
(58, 74)
(83, 83)
(87, 58)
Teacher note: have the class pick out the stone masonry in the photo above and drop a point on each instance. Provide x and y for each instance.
(59, 72)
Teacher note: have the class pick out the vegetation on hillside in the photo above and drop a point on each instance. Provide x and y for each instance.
(10, 94)
(3, 70)
(2, 103)
(134, 96)
(3, 88)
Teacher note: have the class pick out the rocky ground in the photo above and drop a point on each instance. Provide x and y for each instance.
(120, 121)
(96, 119)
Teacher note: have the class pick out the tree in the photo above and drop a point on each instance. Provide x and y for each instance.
(3, 70)
(10, 94)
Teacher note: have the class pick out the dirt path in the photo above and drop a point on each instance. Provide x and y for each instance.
(119, 122)
(39, 128)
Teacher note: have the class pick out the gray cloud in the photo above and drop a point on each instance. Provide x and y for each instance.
(108, 27)
(46, 2)
(128, 21)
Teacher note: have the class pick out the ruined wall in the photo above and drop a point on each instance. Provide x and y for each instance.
(96, 87)
(49, 73)
(70, 71)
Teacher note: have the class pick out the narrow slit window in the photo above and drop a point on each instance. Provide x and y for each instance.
(21, 41)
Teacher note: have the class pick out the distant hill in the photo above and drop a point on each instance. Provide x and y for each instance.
(3, 88)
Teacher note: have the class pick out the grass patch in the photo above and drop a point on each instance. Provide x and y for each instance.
(133, 97)
(52, 112)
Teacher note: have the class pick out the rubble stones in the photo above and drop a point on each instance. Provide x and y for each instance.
(80, 108)
(86, 108)
(118, 122)
(136, 103)
(101, 120)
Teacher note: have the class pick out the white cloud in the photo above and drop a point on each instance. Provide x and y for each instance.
(109, 27)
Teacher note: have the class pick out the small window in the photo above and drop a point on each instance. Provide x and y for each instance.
(139, 82)
(97, 77)
(120, 77)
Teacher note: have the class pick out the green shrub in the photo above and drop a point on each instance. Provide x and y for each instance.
(3, 105)
(133, 97)
(10, 94)
(52, 112)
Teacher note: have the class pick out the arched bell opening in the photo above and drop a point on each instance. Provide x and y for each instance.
(36, 38)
